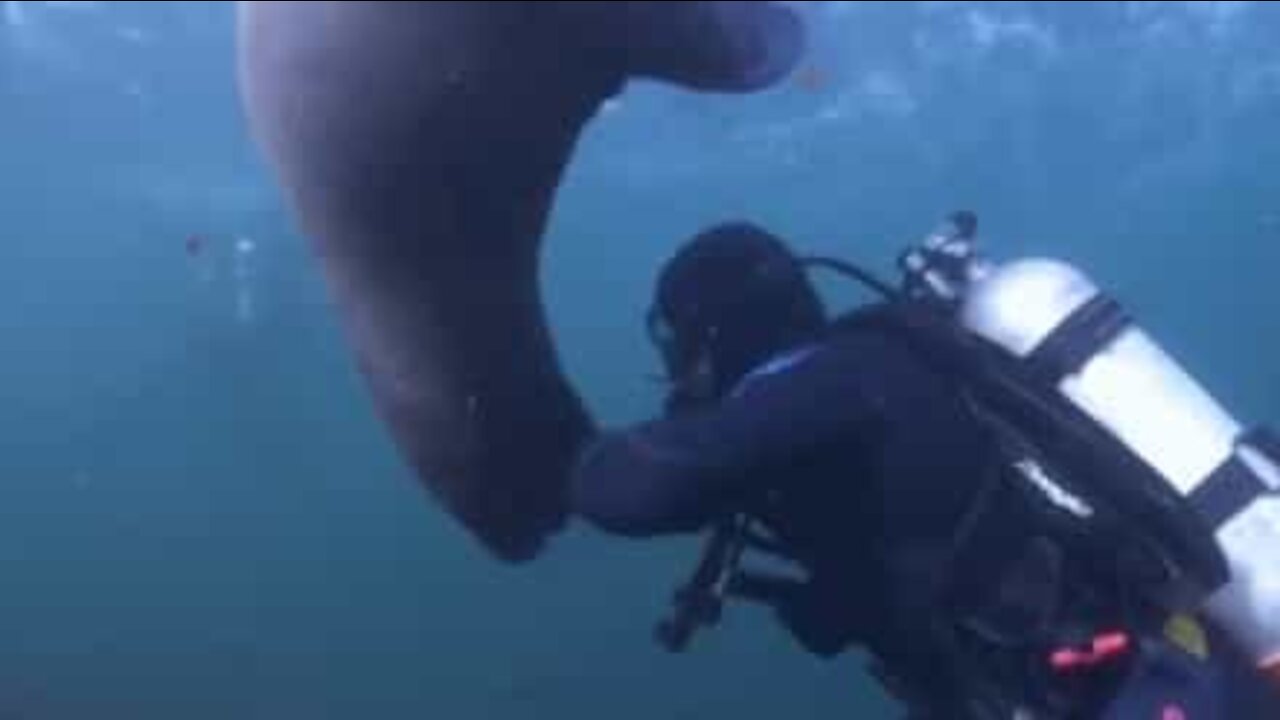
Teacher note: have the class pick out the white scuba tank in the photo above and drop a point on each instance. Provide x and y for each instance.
(1046, 311)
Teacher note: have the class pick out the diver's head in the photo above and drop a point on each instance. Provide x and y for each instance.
(730, 299)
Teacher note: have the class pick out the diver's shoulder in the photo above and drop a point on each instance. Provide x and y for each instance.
(877, 338)
(872, 318)
(871, 325)
(859, 339)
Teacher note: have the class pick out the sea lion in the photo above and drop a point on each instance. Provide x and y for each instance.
(419, 146)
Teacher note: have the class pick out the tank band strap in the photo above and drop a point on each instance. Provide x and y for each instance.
(1081, 336)
(1233, 485)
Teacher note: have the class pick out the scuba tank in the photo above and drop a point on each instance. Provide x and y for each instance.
(1066, 334)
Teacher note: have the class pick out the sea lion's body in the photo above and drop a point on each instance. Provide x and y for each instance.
(420, 145)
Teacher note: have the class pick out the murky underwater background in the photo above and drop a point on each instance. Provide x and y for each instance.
(199, 516)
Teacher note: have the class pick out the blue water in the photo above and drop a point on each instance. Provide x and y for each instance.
(199, 516)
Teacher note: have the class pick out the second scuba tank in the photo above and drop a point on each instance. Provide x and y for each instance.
(1069, 334)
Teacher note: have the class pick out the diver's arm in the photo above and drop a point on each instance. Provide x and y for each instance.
(665, 476)
(678, 474)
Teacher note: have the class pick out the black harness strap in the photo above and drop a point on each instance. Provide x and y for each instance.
(1081, 336)
(1234, 485)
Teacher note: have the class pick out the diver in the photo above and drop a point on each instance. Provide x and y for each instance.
(846, 449)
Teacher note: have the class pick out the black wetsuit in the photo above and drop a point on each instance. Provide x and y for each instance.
(859, 457)
(854, 453)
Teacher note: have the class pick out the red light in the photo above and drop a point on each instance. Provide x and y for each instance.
(1103, 648)
(1110, 645)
